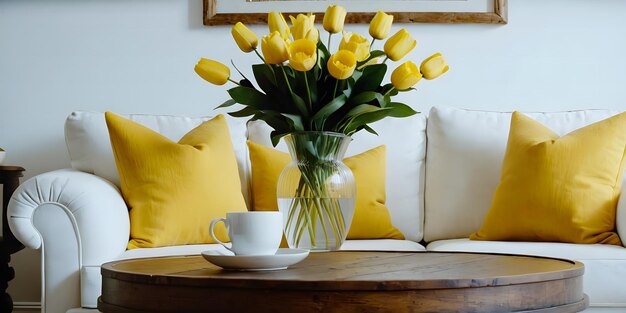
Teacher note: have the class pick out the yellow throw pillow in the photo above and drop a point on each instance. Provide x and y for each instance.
(562, 189)
(371, 217)
(174, 190)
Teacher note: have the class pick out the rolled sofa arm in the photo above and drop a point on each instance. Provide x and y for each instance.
(79, 221)
(621, 213)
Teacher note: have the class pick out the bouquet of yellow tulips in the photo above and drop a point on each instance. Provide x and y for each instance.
(302, 86)
(305, 91)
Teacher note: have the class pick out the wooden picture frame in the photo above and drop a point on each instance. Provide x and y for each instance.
(255, 11)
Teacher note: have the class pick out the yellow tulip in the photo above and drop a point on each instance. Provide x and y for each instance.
(334, 18)
(302, 54)
(276, 22)
(380, 26)
(274, 48)
(212, 71)
(434, 66)
(405, 76)
(341, 64)
(244, 37)
(398, 45)
(304, 27)
(357, 44)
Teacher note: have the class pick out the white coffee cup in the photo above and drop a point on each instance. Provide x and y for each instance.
(251, 233)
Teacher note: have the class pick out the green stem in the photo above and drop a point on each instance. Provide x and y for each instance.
(388, 91)
(263, 59)
(332, 218)
(385, 60)
(308, 93)
(282, 67)
(294, 205)
(238, 84)
(372, 43)
(320, 205)
(260, 56)
(329, 34)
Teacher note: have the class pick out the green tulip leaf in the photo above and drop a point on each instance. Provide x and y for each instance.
(227, 103)
(348, 86)
(249, 96)
(247, 111)
(366, 118)
(371, 78)
(300, 104)
(264, 75)
(370, 130)
(365, 97)
(246, 83)
(361, 109)
(383, 101)
(273, 119)
(373, 54)
(400, 110)
(322, 50)
(295, 121)
(275, 137)
(331, 107)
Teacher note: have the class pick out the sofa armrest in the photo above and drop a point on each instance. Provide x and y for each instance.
(620, 220)
(77, 219)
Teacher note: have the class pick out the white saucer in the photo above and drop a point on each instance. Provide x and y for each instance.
(281, 260)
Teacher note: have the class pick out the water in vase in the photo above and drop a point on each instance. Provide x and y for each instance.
(321, 224)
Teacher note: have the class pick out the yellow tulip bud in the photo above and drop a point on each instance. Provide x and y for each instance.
(274, 48)
(380, 26)
(341, 64)
(434, 66)
(302, 55)
(357, 44)
(276, 22)
(304, 27)
(244, 37)
(405, 76)
(398, 45)
(212, 71)
(334, 18)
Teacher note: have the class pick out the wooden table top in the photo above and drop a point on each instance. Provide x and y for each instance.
(355, 271)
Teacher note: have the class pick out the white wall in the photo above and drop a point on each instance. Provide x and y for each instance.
(127, 56)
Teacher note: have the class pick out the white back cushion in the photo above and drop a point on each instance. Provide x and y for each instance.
(464, 159)
(89, 146)
(405, 139)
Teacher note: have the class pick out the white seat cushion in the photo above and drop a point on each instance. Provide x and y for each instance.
(464, 159)
(605, 265)
(405, 139)
(167, 251)
(382, 245)
(377, 244)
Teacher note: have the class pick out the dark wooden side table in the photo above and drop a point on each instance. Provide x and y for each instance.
(10, 179)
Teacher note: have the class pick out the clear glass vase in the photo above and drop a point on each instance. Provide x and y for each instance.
(316, 191)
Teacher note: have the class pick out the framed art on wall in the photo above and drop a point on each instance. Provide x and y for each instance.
(218, 12)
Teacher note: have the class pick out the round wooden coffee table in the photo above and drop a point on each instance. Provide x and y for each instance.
(350, 281)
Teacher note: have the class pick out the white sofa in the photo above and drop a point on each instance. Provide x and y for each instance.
(438, 192)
